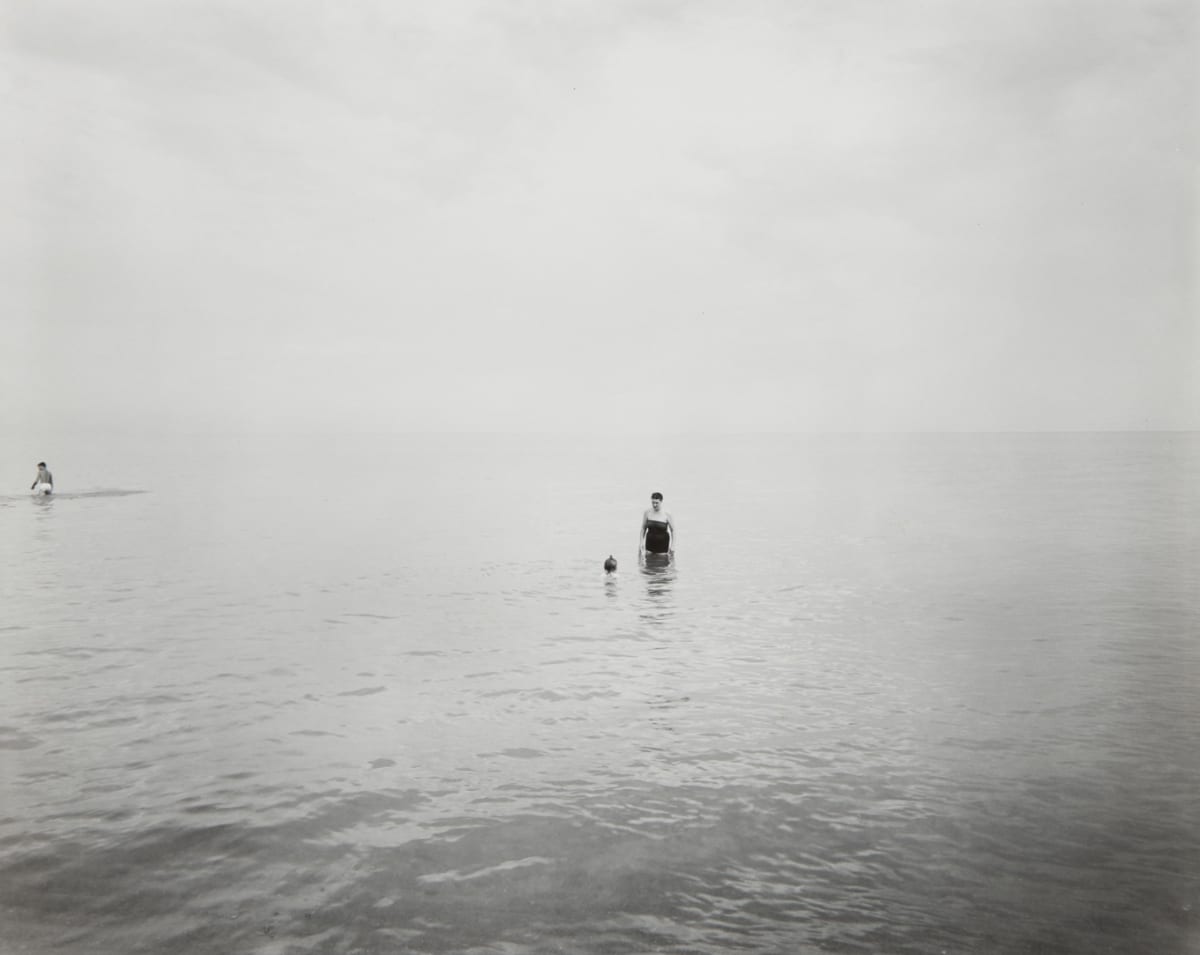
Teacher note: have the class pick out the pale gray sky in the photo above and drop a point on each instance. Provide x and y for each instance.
(562, 215)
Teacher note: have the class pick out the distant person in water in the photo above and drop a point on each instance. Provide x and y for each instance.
(44, 482)
(610, 565)
(658, 530)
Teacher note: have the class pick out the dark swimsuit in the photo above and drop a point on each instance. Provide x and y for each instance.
(658, 538)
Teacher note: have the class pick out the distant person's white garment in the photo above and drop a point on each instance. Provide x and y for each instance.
(43, 488)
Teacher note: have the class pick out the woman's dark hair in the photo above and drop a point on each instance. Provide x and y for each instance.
(656, 495)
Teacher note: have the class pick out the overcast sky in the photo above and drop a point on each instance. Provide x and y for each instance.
(749, 215)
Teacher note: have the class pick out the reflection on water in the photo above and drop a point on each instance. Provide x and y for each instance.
(658, 573)
(44, 523)
(902, 720)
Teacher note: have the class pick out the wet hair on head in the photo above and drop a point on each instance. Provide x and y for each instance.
(656, 496)
(41, 464)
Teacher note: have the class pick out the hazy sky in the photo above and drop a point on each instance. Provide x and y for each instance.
(748, 215)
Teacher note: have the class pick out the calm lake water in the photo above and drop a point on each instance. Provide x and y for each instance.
(897, 694)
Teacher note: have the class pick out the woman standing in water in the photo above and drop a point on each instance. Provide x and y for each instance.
(658, 530)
